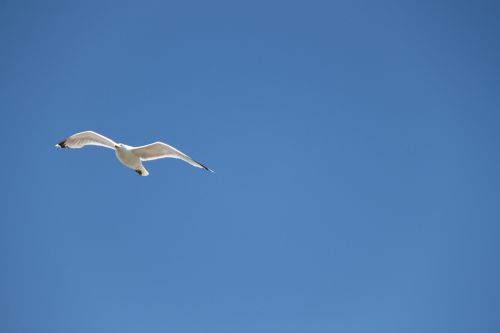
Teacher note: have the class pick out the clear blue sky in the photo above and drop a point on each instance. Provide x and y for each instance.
(356, 145)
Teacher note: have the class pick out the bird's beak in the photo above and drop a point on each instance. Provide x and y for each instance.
(116, 146)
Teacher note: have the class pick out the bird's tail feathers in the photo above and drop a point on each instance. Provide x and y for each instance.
(142, 171)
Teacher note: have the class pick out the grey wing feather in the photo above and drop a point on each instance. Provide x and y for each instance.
(158, 150)
(86, 138)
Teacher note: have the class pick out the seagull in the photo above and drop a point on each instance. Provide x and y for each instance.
(131, 157)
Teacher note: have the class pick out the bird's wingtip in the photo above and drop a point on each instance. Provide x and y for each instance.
(208, 169)
(204, 167)
(61, 144)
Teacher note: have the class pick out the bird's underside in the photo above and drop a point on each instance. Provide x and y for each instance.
(131, 157)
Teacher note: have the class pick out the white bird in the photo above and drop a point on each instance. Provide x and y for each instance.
(129, 156)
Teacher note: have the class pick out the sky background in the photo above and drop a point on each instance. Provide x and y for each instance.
(355, 145)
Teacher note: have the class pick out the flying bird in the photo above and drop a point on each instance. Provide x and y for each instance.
(131, 157)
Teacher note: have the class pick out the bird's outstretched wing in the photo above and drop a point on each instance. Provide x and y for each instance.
(158, 150)
(81, 139)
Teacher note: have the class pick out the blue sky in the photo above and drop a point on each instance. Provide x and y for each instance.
(356, 151)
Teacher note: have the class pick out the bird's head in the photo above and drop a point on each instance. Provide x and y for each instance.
(119, 145)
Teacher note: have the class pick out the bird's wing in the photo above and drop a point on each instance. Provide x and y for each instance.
(81, 139)
(158, 150)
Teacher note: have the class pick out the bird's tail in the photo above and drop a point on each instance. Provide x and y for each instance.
(142, 171)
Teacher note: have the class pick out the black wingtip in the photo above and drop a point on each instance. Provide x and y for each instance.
(61, 144)
(205, 167)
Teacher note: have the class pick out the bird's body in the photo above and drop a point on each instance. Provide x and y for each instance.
(125, 155)
(131, 157)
